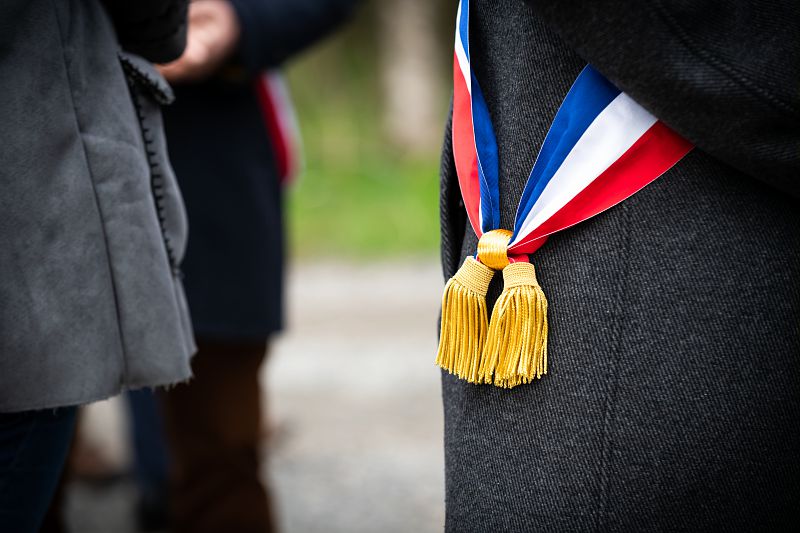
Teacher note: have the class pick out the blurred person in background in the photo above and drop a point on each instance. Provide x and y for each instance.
(231, 150)
(673, 395)
(91, 224)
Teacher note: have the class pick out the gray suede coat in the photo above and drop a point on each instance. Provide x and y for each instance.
(91, 222)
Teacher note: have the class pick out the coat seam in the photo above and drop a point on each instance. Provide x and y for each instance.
(158, 89)
(612, 377)
(98, 206)
(452, 212)
(157, 184)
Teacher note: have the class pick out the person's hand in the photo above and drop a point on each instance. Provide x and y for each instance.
(212, 37)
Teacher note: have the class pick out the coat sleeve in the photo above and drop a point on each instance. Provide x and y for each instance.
(153, 29)
(725, 74)
(274, 30)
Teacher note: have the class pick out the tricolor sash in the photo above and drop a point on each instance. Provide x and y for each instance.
(602, 147)
(279, 118)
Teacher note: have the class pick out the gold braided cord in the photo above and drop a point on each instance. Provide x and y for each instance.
(493, 248)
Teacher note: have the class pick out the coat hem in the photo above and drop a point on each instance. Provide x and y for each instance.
(85, 399)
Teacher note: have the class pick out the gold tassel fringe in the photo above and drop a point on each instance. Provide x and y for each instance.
(516, 345)
(464, 320)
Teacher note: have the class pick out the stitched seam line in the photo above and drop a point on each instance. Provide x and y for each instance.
(156, 177)
(120, 334)
(741, 79)
(151, 83)
(613, 375)
(452, 212)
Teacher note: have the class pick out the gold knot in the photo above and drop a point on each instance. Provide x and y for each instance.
(493, 248)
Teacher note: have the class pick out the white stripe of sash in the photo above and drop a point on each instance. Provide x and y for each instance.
(610, 135)
(463, 64)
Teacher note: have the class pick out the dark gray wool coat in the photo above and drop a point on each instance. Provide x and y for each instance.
(672, 401)
(91, 222)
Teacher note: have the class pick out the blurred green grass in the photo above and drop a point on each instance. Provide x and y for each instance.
(358, 196)
(377, 206)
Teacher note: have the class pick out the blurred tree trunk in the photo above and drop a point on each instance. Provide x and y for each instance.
(411, 72)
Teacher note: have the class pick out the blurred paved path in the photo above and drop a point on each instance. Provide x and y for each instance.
(354, 392)
(354, 404)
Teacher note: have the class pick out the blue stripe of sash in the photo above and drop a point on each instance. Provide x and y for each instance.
(488, 167)
(589, 96)
(463, 27)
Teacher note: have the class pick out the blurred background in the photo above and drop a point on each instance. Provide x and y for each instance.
(354, 421)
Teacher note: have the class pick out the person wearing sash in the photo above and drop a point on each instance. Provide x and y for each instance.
(230, 141)
(633, 169)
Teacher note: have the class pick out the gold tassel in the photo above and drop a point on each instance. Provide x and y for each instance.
(516, 346)
(464, 320)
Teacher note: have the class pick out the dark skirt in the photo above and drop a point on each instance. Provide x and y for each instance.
(233, 269)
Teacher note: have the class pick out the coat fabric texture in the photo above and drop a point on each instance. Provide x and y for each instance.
(673, 391)
(220, 148)
(91, 221)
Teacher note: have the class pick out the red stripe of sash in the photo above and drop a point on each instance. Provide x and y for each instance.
(277, 136)
(649, 157)
(464, 151)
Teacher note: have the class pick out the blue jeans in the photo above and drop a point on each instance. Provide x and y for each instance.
(33, 448)
(151, 460)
